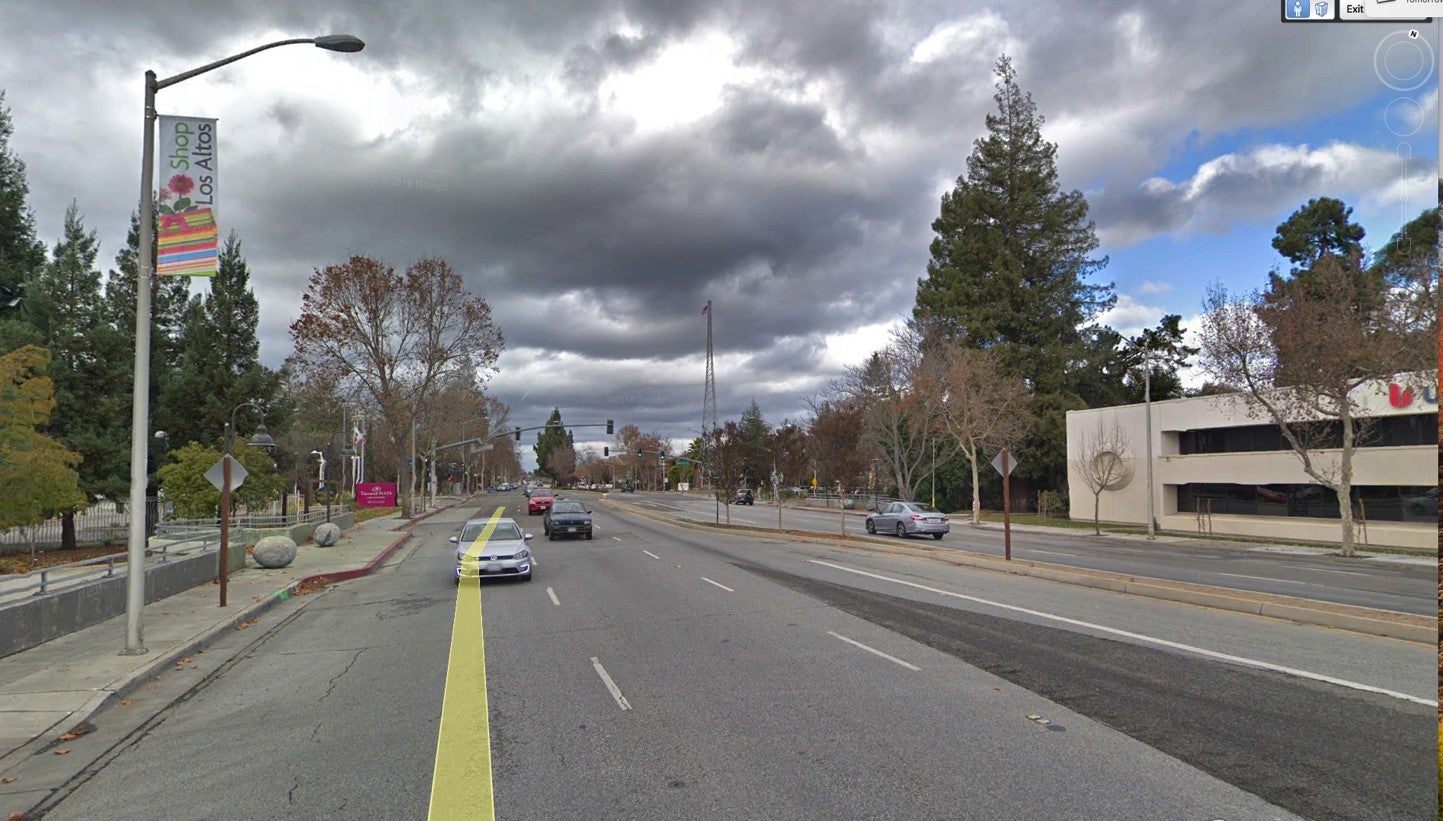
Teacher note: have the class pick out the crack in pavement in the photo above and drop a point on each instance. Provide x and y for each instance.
(337, 677)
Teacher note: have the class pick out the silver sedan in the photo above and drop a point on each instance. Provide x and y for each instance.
(501, 552)
(908, 519)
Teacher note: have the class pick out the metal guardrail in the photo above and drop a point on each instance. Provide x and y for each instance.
(48, 580)
(182, 527)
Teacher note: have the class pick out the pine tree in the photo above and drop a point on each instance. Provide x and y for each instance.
(1010, 267)
(21, 252)
(220, 359)
(754, 433)
(549, 439)
(169, 298)
(90, 367)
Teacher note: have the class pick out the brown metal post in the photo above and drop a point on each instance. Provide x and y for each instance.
(1006, 504)
(224, 524)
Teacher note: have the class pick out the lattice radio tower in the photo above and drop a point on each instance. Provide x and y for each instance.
(708, 400)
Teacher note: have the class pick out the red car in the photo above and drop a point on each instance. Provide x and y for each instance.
(539, 501)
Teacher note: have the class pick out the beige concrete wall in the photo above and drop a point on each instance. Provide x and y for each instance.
(1414, 465)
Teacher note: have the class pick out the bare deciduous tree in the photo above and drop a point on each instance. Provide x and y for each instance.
(1300, 356)
(1104, 462)
(392, 336)
(982, 409)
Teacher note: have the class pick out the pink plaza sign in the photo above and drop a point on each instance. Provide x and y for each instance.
(375, 494)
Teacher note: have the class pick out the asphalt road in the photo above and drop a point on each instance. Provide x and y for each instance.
(661, 673)
(1381, 584)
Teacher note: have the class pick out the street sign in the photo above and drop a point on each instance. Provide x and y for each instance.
(216, 475)
(1011, 462)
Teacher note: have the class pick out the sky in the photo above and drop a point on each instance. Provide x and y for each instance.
(599, 170)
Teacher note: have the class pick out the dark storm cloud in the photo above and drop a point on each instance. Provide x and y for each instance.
(761, 124)
(800, 205)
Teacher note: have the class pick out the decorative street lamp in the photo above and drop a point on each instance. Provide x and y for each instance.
(261, 439)
(140, 400)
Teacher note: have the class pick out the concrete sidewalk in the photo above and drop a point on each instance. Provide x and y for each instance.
(50, 688)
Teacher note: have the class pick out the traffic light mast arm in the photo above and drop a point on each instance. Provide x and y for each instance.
(608, 424)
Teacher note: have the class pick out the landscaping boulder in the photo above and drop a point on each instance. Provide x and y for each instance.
(327, 534)
(274, 551)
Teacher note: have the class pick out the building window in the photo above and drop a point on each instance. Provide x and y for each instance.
(1373, 503)
(1378, 432)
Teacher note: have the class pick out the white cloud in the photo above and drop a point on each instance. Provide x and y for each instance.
(1262, 183)
(1150, 287)
(1128, 317)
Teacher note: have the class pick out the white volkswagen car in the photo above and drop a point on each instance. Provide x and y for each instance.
(502, 552)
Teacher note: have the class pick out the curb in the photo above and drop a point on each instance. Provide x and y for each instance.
(1419, 629)
(120, 688)
(356, 572)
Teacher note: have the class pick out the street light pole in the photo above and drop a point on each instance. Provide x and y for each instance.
(145, 268)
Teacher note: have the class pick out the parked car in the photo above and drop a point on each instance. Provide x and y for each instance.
(567, 517)
(503, 553)
(628, 488)
(743, 497)
(538, 501)
(908, 519)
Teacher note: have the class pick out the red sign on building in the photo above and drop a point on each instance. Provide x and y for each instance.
(375, 494)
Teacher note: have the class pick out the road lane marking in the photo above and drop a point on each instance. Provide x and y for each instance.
(610, 685)
(1246, 662)
(1048, 552)
(461, 777)
(618, 538)
(1262, 578)
(552, 594)
(649, 553)
(1344, 572)
(874, 651)
(718, 584)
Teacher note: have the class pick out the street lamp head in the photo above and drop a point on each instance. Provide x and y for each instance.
(262, 438)
(340, 42)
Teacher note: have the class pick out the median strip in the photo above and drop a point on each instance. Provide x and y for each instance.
(1213, 654)
(461, 778)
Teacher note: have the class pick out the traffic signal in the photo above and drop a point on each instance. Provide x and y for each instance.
(605, 451)
(608, 427)
(638, 453)
(518, 434)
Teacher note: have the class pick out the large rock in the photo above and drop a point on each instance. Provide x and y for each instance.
(327, 534)
(274, 551)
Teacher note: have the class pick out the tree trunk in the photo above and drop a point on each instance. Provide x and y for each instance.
(67, 530)
(1345, 510)
(976, 489)
(1096, 513)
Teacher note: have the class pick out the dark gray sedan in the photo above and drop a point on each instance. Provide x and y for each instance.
(567, 517)
(908, 519)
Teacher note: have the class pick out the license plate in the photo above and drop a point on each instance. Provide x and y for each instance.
(493, 567)
(570, 530)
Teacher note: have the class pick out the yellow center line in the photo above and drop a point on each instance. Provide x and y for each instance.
(461, 779)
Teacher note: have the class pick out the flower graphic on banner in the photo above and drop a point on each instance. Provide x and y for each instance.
(178, 187)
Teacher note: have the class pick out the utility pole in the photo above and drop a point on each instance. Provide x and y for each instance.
(708, 405)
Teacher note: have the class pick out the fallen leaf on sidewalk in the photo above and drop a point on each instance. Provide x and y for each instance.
(154, 687)
(83, 728)
(20, 816)
(9, 779)
(67, 752)
(127, 702)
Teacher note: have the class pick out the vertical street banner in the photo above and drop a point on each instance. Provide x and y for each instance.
(186, 229)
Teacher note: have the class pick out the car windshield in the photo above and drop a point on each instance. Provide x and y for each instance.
(567, 507)
(539, 492)
(503, 531)
(925, 509)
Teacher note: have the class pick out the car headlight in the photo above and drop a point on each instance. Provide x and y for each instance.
(522, 554)
(460, 554)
